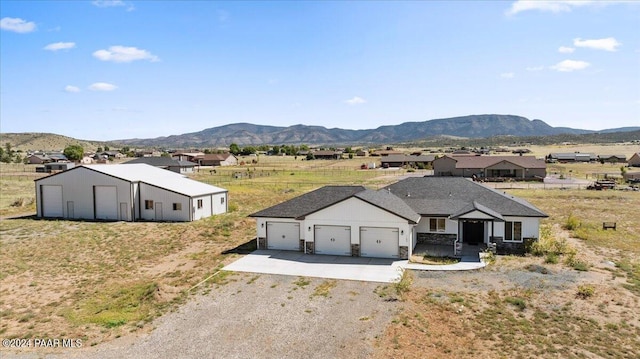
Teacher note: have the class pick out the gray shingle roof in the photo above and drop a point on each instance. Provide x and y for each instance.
(443, 196)
(161, 162)
(390, 203)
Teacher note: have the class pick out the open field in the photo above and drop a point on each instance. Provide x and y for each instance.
(100, 281)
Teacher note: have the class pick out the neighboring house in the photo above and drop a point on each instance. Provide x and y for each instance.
(383, 153)
(514, 167)
(327, 155)
(166, 163)
(406, 160)
(86, 160)
(187, 156)
(634, 161)
(126, 193)
(39, 159)
(354, 221)
(612, 158)
(362, 153)
(572, 157)
(104, 155)
(221, 159)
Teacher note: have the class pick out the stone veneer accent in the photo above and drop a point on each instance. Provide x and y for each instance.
(404, 252)
(436, 238)
(503, 247)
(310, 248)
(262, 243)
(355, 249)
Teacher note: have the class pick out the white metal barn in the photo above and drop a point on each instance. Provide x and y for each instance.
(127, 193)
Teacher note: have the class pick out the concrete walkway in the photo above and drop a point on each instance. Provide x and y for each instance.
(337, 267)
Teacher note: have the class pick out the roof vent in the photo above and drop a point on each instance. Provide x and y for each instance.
(449, 193)
(408, 194)
(389, 190)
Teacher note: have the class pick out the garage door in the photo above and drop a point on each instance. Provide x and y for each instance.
(106, 202)
(334, 240)
(51, 201)
(379, 242)
(283, 235)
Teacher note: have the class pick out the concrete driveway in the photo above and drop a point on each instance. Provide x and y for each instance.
(322, 266)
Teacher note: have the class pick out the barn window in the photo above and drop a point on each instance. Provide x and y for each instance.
(513, 231)
(177, 206)
(436, 225)
(199, 203)
(221, 200)
(148, 204)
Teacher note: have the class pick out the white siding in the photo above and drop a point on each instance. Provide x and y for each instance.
(219, 203)
(167, 198)
(356, 213)
(78, 188)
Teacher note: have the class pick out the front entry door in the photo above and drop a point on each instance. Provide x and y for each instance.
(473, 232)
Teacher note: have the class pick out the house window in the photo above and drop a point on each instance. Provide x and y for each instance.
(177, 206)
(221, 200)
(199, 203)
(436, 224)
(513, 231)
(148, 204)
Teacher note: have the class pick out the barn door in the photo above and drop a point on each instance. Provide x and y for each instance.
(158, 207)
(124, 211)
(70, 212)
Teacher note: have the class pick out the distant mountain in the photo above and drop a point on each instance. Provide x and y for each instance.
(45, 141)
(474, 126)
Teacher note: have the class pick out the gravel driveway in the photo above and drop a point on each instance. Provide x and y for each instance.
(261, 316)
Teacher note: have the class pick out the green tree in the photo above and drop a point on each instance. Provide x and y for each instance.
(165, 154)
(234, 148)
(74, 152)
(248, 150)
(99, 149)
(106, 148)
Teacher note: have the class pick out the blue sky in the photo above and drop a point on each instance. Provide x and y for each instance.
(107, 70)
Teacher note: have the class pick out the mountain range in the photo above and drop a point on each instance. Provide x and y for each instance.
(473, 126)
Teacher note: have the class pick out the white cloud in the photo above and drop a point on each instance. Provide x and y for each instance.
(113, 3)
(102, 86)
(607, 44)
(355, 101)
(71, 89)
(566, 50)
(60, 46)
(535, 68)
(17, 25)
(507, 75)
(555, 6)
(124, 54)
(570, 65)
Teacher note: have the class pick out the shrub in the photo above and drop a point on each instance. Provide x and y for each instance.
(585, 291)
(517, 302)
(572, 222)
(404, 282)
(551, 258)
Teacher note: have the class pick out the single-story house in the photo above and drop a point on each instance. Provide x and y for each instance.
(634, 161)
(166, 163)
(389, 223)
(612, 158)
(187, 156)
(55, 167)
(104, 155)
(220, 159)
(515, 167)
(327, 155)
(86, 160)
(406, 160)
(384, 153)
(126, 193)
(39, 159)
(572, 157)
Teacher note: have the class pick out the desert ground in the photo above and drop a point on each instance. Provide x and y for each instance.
(136, 289)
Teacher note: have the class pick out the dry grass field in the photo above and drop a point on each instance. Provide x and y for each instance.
(578, 298)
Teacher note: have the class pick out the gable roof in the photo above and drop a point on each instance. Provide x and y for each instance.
(407, 158)
(215, 156)
(488, 161)
(309, 202)
(161, 162)
(158, 177)
(445, 196)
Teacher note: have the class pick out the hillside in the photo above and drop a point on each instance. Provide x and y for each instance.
(45, 141)
(473, 126)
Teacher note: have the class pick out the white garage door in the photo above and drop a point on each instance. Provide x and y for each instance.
(283, 235)
(106, 202)
(51, 201)
(379, 242)
(334, 240)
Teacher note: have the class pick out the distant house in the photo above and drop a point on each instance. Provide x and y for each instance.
(612, 158)
(86, 160)
(219, 159)
(388, 223)
(166, 163)
(105, 155)
(515, 167)
(187, 156)
(406, 160)
(39, 159)
(362, 153)
(126, 193)
(327, 155)
(634, 161)
(55, 167)
(384, 153)
(572, 157)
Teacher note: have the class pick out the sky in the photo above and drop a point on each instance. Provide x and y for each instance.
(106, 70)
